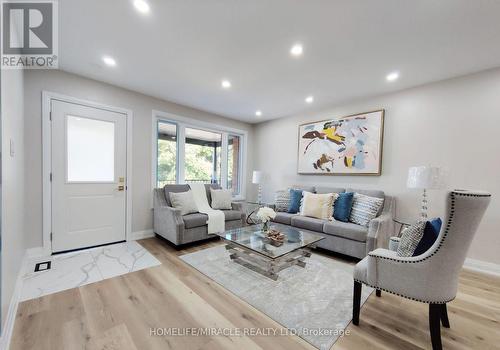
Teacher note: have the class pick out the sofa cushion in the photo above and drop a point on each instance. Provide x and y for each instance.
(370, 193)
(284, 218)
(322, 189)
(199, 219)
(346, 230)
(175, 189)
(232, 215)
(311, 224)
(195, 220)
(303, 188)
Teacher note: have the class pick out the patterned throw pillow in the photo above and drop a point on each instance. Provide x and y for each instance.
(282, 200)
(410, 237)
(364, 209)
(318, 206)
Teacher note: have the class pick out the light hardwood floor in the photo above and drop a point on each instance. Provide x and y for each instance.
(118, 313)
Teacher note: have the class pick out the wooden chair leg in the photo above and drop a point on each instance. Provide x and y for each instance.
(435, 312)
(378, 293)
(356, 303)
(444, 316)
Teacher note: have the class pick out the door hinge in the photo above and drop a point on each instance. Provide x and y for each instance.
(50, 177)
(50, 115)
(51, 236)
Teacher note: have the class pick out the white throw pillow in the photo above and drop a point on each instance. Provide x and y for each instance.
(364, 209)
(183, 201)
(318, 206)
(221, 199)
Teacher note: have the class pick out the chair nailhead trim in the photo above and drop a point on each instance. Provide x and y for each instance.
(448, 225)
(405, 296)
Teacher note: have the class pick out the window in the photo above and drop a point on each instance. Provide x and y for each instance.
(189, 151)
(233, 163)
(167, 154)
(90, 150)
(202, 154)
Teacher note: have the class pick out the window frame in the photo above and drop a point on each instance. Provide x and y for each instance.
(184, 122)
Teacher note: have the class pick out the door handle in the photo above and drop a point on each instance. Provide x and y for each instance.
(121, 188)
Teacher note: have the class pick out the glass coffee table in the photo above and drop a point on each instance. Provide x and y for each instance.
(249, 247)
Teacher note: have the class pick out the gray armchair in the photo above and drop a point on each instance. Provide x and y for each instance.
(178, 229)
(432, 277)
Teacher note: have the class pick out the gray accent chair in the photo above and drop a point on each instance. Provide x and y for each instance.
(432, 277)
(345, 237)
(181, 229)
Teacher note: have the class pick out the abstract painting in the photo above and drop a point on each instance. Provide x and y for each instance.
(350, 145)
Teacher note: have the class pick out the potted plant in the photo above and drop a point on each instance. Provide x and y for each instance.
(265, 215)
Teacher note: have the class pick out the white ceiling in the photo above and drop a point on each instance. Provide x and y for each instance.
(182, 49)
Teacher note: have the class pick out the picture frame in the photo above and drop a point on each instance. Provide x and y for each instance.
(349, 145)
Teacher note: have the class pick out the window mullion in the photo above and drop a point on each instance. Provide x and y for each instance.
(224, 160)
(181, 150)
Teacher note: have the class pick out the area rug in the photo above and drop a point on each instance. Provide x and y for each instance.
(314, 302)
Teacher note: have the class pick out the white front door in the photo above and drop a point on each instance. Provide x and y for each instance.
(89, 164)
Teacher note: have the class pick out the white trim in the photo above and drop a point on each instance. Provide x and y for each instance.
(37, 252)
(482, 266)
(47, 97)
(142, 235)
(182, 122)
(10, 319)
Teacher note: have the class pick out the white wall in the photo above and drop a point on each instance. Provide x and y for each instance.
(453, 124)
(13, 214)
(141, 105)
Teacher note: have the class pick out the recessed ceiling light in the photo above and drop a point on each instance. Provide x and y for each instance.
(392, 76)
(309, 99)
(258, 113)
(297, 50)
(110, 61)
(226, 84)
(142, 6)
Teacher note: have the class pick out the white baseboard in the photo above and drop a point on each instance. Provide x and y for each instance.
(10, 319)
(141, 235)
(482, 266)
(37, 252)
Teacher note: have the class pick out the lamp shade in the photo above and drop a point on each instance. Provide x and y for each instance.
(425, 177)
(257, 177)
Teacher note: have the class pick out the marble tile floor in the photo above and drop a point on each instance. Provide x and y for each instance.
(79, 268)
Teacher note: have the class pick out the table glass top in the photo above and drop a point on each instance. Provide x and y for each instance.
(253, 238)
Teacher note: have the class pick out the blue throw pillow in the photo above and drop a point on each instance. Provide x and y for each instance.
(295, 197)
(431, 233)
(343, 205)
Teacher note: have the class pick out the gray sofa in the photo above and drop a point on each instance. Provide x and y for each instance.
(179, 229)
(345, 237)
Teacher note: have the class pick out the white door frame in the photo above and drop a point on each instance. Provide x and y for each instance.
(47, 98)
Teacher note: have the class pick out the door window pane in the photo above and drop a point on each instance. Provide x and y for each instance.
(233, 163)
(90, 149)
(167, 154)
(202, 156)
